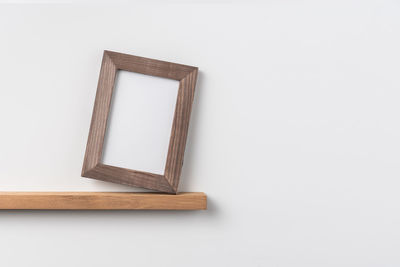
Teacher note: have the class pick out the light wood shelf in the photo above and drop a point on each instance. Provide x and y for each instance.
(101, 201)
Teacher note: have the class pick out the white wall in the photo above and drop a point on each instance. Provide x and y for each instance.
(294, 134)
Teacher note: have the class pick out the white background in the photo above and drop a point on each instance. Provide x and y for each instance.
(294, 133)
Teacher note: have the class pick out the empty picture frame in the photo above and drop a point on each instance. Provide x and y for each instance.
(95, 167)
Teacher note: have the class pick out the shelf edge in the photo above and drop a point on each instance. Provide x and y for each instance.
(102, 201)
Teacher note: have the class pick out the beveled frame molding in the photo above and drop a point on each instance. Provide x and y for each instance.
(92, 166)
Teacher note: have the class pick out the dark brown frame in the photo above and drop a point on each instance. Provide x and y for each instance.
(92, 166)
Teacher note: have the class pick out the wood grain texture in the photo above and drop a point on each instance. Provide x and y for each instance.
(180, 127)
(93, 167)
(129, 177)
(101, 109)
(101, 201)
(149, 66)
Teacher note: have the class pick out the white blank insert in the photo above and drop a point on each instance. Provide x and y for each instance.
(140, 122)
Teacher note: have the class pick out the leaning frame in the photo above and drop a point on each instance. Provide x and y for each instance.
(92, 166)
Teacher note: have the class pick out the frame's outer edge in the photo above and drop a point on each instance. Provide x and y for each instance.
(101, 107)
(92, 166)
(180, 129)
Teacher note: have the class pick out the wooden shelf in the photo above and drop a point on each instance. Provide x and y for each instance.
(101, 201)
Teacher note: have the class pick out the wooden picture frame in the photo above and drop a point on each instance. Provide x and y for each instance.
(94, 168)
